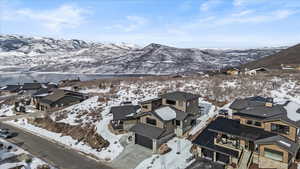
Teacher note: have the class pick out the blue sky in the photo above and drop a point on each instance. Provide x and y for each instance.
(181, 23)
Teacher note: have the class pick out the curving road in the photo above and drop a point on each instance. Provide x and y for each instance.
(53, 153)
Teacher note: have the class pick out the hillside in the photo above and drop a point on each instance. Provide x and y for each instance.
(286, 56)
(40, 54)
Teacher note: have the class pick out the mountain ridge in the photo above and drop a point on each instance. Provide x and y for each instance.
(44, 54)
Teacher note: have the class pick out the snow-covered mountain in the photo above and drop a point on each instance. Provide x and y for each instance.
(19, 53)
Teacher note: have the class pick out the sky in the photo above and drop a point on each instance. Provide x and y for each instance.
(180, 23)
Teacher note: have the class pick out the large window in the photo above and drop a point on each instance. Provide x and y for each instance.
(254, 123)
(171, 102)
(280, 128)
(145, 106)
(151, 121)
(273, 154)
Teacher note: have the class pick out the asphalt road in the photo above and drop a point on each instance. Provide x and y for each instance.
(54, 154)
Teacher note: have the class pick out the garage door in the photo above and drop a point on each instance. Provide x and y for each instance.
(222, 158)
(143, 141)
(207, 153)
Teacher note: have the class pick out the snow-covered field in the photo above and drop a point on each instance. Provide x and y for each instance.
(9, 153)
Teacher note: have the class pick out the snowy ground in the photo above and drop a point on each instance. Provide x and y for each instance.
(6, 154)
(6, 110)
(171, 160)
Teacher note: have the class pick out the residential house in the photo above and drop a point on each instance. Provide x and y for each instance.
(124, 117)
(259, 132)
(233, 71)
(9, 89)
(253, 72)
(59, 99)
(164, 117)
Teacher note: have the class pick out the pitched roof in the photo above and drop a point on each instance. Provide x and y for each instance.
(31, 86)
(167, 113)
(124, 112)
(233, 127)
(148, 131)
(11, 88)
(178, 95)
(240, 104)
(282, 142)
(149, 100)
(42, 92)
(264, 111)
(59, 94)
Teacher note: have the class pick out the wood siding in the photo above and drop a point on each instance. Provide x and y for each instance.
(292, 132)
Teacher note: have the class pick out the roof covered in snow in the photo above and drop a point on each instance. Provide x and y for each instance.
(167, 113)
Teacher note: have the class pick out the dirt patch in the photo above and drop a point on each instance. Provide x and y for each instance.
(87, 134)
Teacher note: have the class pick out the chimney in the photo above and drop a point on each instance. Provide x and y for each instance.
(269, 102)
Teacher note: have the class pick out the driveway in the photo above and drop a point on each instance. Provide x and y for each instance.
(52, 153)
(132, 155)
(201, 163)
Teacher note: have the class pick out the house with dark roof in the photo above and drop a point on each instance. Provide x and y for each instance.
(124, 117)
(164, 117)
(58, 99)
(8, 89)
(259, 132)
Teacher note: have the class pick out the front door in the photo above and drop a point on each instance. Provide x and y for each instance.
(250, 145)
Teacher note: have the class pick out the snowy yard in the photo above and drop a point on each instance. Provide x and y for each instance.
(171, 160)
(6, 110)
(10, 151)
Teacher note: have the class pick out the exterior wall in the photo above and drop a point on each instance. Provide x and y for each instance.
(159, 123)
(269, 163)
(243, 121)
(128, 124)
(292, 133)
(193, 107)
(180, 105)
(273, 147)
(149, 107)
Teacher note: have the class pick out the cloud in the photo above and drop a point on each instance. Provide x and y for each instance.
(206, 6)
(132, 23)
(65, 16)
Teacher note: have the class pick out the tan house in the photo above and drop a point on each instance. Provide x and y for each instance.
(164, 117)
(259, 133)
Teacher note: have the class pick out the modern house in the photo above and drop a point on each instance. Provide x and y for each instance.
(160, 119)
(259, 134)
(58, 99)
(124, 117)
(9, 89)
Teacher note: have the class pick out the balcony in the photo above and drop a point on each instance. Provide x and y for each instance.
(228, 142)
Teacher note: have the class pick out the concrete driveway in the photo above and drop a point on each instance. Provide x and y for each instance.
(132, 155)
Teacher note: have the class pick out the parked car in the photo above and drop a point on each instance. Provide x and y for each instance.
(5, 134)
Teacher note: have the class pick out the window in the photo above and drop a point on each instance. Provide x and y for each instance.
(250, 122)
(280, 128)
(145, 106)
(273, 154)
(171, 102)
(151, 121)
(257, 123)
(177, 123)
(253, 123)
